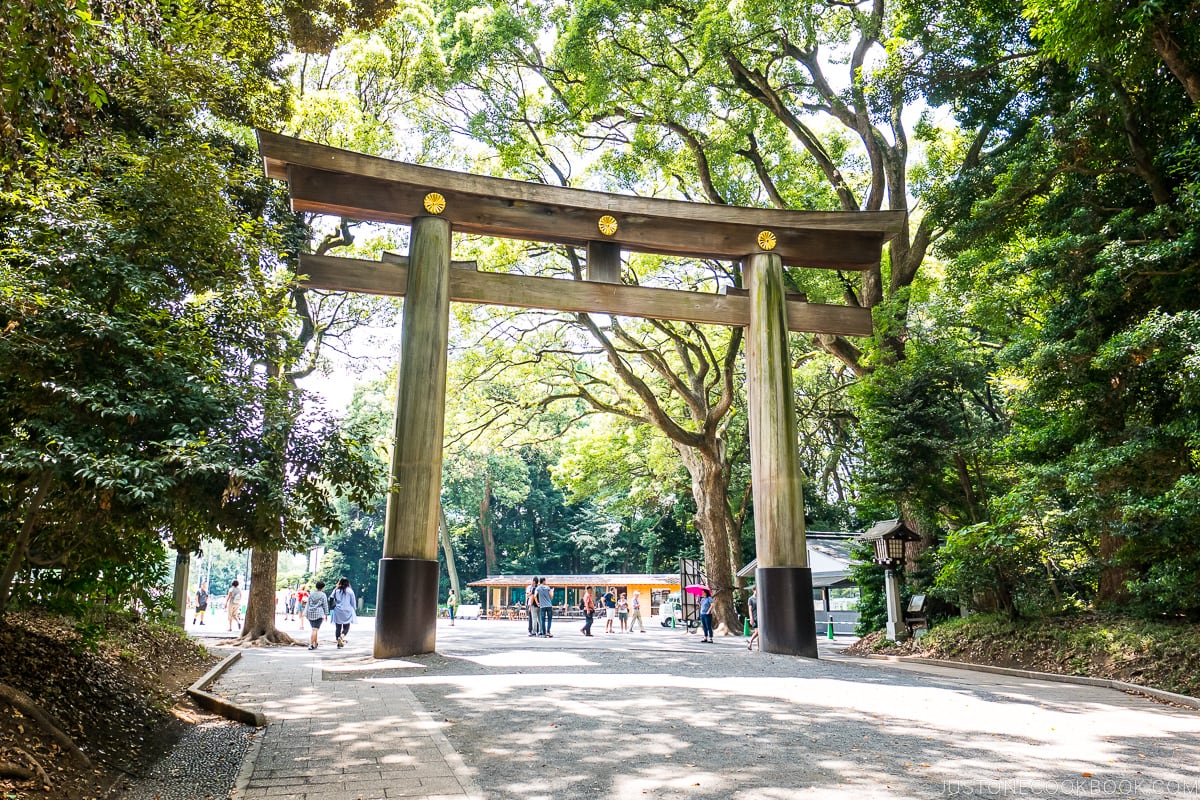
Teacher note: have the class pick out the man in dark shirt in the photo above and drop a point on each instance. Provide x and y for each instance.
(545, 600)
(589, 612)
(201, 604)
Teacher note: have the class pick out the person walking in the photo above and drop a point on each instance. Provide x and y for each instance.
(452, 606)
(233, 605)
(301, 603)
(201, 603)
(752, 611)
(289, 607)
(706, 616)
(623, 613)
(589, 612)
(635, 612)
(610, 609)
(545, 601)
(315, 611)
(531, 607)
(343, 611)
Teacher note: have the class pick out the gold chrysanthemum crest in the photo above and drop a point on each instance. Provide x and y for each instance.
(767, 240)
(607, 225)
(434, 203)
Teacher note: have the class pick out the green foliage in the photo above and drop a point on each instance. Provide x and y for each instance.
(872, 600)
(119, 377)
(140, 293)
(1029, 399)
(1102, 315)
(367, 93)
(930, 423)
(47, 91)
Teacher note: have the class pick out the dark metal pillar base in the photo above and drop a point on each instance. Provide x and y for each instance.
(406, 608)
(785, 603)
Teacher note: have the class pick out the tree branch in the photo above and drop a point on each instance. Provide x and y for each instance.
(655, 411)
(758, 87)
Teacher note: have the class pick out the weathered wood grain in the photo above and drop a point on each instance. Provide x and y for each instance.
(775, 470)
(371, 277)
(328, 180)
(604, 262)
(415, 484)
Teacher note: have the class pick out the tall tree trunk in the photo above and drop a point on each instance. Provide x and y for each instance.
(1113, 575)
(179, 594)
(448, 549)
(714, 520)
(259, 627)
(1171, 53)
(485, 526)
(17, 557)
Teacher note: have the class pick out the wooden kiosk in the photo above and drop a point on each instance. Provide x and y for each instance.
(436, 202)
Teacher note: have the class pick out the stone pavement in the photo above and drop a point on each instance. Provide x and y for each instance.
(660, 716)
(336, 739)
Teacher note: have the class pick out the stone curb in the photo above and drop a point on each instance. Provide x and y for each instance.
(1121, 686)
(219, 705)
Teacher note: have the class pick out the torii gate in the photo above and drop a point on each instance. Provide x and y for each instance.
(435, 201)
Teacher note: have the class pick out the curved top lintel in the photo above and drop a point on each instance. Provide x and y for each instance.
(330, 180)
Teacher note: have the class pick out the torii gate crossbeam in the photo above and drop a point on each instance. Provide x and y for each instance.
(435, 201)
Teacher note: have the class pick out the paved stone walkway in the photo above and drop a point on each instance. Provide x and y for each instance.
(335, 740)
(660, 716)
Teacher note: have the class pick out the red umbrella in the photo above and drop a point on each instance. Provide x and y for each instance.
(696, 589)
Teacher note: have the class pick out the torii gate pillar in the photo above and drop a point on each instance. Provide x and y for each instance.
(784, 578)
(406, 615)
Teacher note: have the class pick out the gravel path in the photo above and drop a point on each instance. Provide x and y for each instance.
(666, 718)
(660, 716)
(203, 765)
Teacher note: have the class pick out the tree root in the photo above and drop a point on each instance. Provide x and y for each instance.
(23, 703)
(272, 638)
(10, 769)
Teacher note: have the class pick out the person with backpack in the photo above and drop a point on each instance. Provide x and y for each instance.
(343, 613)
(315, 611)
(610, 609)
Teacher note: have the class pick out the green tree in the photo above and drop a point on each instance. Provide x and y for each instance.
(1086, 214)
(118, 372)
(794, 106)
(140, 289)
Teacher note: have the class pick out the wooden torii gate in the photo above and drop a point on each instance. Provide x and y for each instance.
(435, 202)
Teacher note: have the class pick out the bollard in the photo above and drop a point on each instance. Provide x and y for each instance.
(829, 629)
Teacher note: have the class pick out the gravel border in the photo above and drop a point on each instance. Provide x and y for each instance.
(1081, 680)
(203, 765)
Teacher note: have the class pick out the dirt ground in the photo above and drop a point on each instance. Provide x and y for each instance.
(120, 698)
